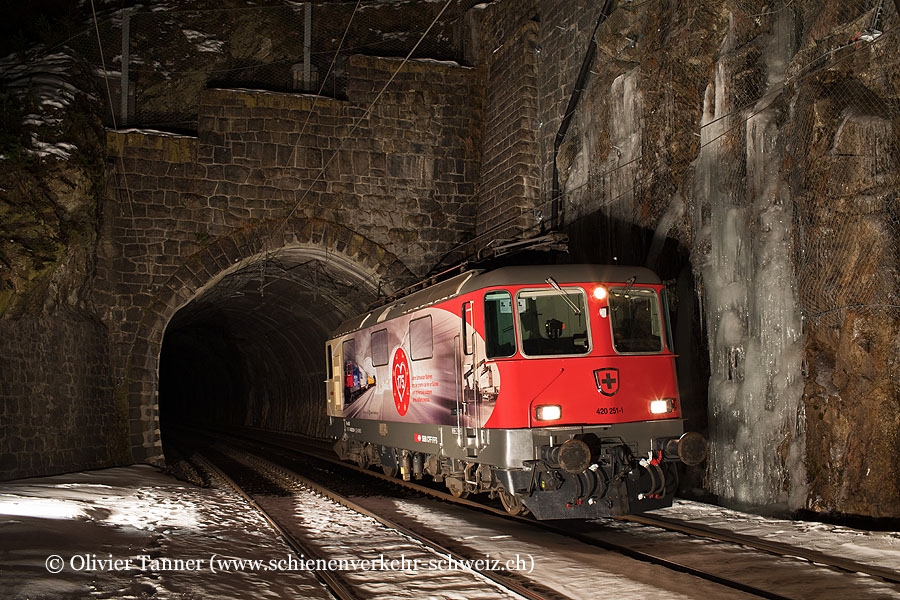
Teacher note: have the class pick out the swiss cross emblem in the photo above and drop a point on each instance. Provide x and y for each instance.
(607, 381)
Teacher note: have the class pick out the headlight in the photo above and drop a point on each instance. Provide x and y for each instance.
(661, 407)
(548, 412)
(599, 293)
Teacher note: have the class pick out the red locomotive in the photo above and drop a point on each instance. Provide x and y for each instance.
(553, 387)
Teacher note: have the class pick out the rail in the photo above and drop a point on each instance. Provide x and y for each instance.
(328, 578)
(314, 448)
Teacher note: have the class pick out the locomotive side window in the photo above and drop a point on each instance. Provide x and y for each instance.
(421, 341)
(348, 351)
(351, 375)
(667, 324)
(330, 372)
(467, 345)
(379, 348)
(550, 326)
(500, 332)
(635, 320)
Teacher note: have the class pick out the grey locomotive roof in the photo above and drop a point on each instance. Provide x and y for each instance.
(478, 279)
(538, 274)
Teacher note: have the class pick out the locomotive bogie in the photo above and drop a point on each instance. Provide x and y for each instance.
(625, 470)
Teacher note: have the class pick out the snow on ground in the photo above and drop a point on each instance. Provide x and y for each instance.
(134, 533)
(84, 522)
(387, 563)
(559, 563)
(581, 571)
(879, 548)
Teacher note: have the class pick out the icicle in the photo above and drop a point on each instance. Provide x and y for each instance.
(749, 302)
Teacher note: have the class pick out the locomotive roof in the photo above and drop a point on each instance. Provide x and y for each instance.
(538, 274)
(474, 280)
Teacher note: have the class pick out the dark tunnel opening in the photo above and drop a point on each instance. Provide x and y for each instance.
(201, 372)
(249, 349)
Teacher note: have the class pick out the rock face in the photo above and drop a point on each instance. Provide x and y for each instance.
(851, 396)
(57, 409)
(755, 148)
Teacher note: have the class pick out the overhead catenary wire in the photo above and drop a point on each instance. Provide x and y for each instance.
(322, 86)
(365, 115)
(577, 89)
(312, 108)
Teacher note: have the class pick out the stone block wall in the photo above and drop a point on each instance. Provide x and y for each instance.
(57, 409)
(403, 174)
(509, 190)
(391, 184)
(531, 53)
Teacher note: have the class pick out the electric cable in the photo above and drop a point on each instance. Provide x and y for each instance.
(365, 114)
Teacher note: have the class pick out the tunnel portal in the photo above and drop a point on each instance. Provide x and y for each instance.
(248, 349)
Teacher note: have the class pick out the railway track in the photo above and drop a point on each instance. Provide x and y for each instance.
(332, 583)
(320, 451)
(698, 530)
(472, 578)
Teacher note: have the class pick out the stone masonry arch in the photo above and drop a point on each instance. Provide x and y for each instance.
(339, 248)
(187, 214)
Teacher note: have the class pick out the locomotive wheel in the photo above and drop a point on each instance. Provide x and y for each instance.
(456, 487)
(389, 471)
(512, 503)
(459, 493)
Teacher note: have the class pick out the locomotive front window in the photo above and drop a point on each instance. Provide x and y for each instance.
(500, 332)
(635, 320)
(550, 325)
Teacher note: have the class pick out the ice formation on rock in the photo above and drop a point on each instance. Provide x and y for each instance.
(749, 294)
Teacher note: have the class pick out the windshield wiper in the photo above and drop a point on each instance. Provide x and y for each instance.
(629, 283)
(565, 295)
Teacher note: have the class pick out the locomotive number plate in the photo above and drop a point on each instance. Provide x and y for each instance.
(615, 410)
